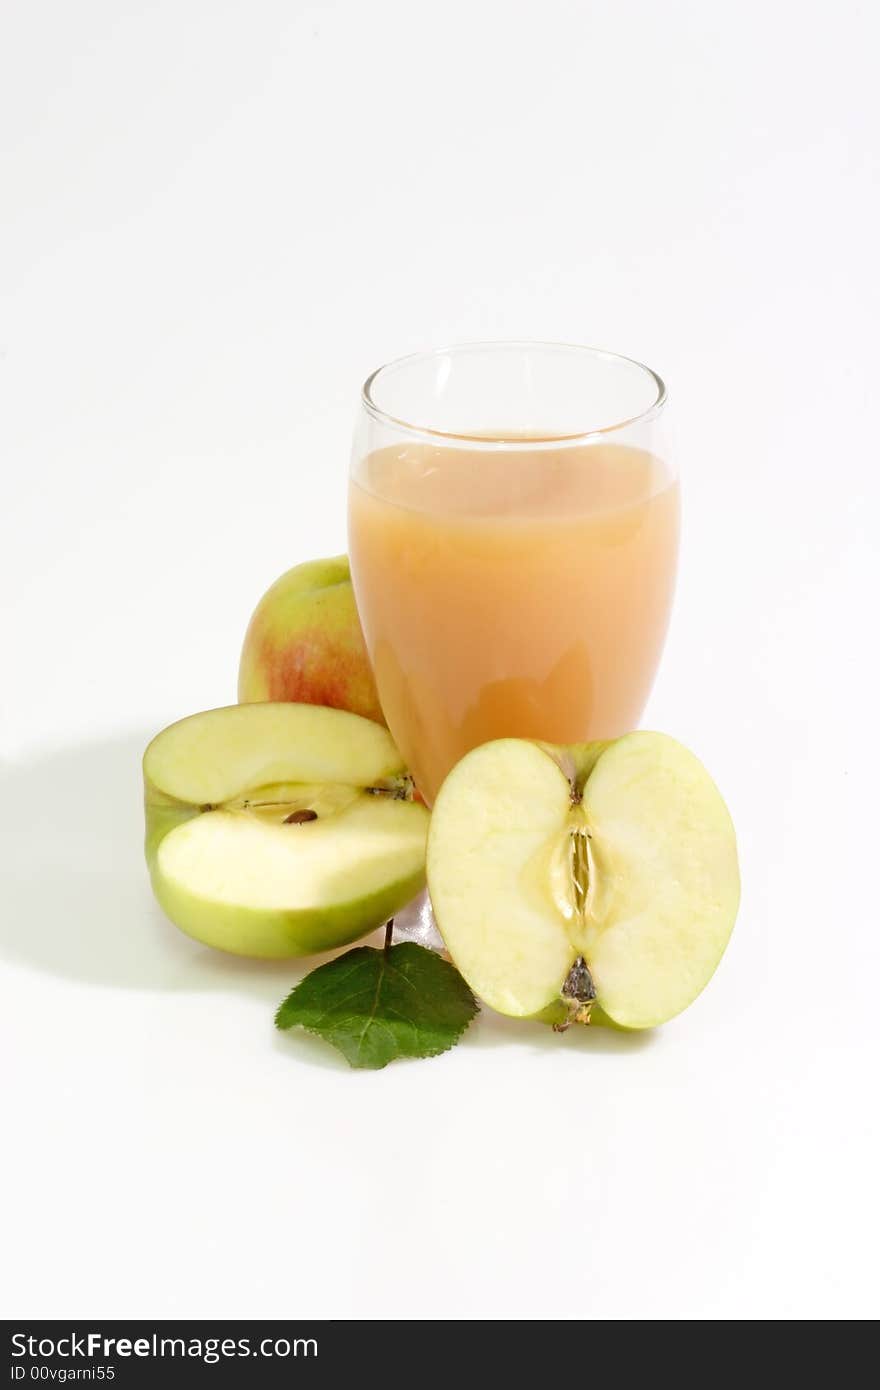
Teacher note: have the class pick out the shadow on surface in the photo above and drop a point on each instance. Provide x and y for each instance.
(493, 1030)
(303, 1046)
(75, 895)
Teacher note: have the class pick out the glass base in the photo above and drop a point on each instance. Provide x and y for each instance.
(415, 922)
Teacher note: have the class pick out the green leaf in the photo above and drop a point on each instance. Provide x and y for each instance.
(377, 1005)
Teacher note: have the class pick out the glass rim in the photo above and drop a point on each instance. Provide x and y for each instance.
(376, 412)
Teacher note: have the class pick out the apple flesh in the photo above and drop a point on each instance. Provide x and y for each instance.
(280, 829)
(596, 881)
(304, 643)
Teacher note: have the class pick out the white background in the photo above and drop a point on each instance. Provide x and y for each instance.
(217, 217)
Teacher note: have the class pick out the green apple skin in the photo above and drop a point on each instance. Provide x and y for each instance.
(304, 643)
(557, 1015)
(271, 935)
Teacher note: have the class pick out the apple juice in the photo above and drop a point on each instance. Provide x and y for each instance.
(511, 591)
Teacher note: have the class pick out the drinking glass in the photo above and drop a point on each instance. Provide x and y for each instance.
(513, 533)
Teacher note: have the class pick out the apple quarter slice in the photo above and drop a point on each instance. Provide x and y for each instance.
(280, 829)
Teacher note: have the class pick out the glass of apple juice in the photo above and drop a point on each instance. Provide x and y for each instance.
(513, 530)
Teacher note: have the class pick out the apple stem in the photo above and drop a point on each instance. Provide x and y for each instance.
(389, 933)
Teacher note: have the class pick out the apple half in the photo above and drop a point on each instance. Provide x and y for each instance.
(280, 829)
(600, 880)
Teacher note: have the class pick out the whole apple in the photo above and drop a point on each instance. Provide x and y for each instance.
(304, 643)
